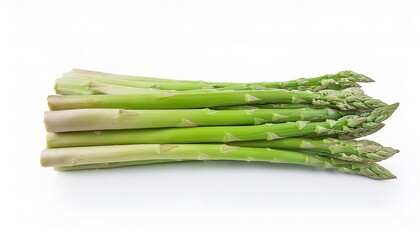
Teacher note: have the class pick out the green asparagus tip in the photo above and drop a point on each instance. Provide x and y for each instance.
(352, 98)
(382, 153)
(366, 123)
(355, 77)
(372, 170)
(372, 150)
(382, 172)
(382, 113)
(363, 132)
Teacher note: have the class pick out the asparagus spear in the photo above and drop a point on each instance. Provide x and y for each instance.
(358, 151)
(350, 124)
(128, 153)
(346, 75)
(105, 119)
(89, 82)
(347, 99)
(339, 81)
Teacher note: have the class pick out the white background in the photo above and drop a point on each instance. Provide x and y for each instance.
(217, 41)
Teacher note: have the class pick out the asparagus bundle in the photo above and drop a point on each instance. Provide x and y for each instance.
(104, 120)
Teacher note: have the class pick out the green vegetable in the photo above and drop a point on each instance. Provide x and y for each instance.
(89, 82)
(106, 155)
(347, 99)
(105, 119)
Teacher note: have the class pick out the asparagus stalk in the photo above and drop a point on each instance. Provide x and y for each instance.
(106, 119)
(89, 82)
(346, 75)
(350, 124)
(358, 151)
(199, 134)
(347, 99)
(67, 157)
(115, 164)
(265, 106)
(339, 81)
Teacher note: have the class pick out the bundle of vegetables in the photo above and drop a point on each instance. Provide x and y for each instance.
(102, 120)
